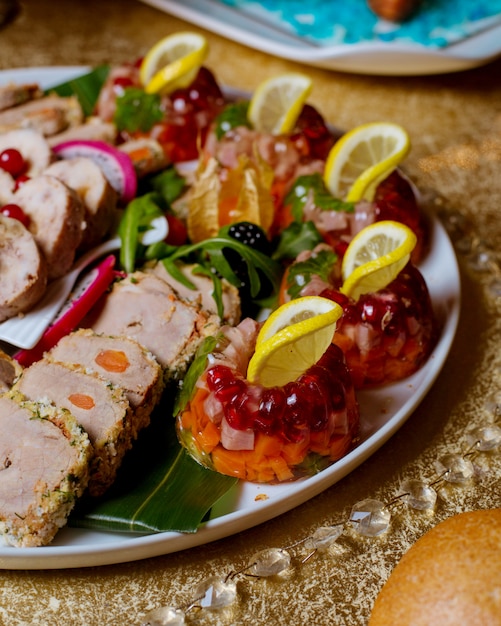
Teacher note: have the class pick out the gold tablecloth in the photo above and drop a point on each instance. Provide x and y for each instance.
(454, 122)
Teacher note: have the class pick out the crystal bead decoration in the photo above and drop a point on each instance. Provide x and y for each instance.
(323, 537)
(215, 593)
(418, 495)
(484, 438)
(454, 468)
(269, 562)
(164, 616)
(370, 518)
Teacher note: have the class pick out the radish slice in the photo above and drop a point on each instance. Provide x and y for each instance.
(157, 231)
(116, 165)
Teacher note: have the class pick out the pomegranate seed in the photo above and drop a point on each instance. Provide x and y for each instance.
(12, 161)
(15, 212)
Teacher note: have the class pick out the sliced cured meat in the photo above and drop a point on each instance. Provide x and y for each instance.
(22, 267)
(203, 292)
(33, 147)
(93, 129)
(120, 360)
(147, 309)
(56, 216)
(99, 407)
(13, 94)
(99, 198)
(9, 371)
(44, 461)
(48, 115)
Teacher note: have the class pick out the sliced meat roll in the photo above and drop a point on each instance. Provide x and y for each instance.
(22, 267)
(7, 186)
(94, 129)
(203, 292)
(147, 309)
(48, 115)
(56, 217)
(33, 147)
(9, 371)
(100, 408)
(44, 463)
(14, 94)
(120, 360)
(99, 198)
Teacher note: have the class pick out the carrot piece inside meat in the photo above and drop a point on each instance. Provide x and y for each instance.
(82, 401)
(112, 360)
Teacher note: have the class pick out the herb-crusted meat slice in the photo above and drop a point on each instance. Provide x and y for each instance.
(44, 461)
(147, 309)
(48, 115)
(120, 360)
(100, 408)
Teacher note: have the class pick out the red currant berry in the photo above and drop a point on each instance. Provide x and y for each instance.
(15, 212)
(20, 180)
(12, 161)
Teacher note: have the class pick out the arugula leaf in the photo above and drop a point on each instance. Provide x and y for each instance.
(137, 110)
(322, 198)
(296, 238)
(300, 273)
(232, 116)
(169, 184)
(194, 372)
(86, 88)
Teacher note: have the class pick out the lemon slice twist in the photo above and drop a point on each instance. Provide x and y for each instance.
(293, 338)
(173, 62)
(277, 102)
(364, 157)
(375, 257)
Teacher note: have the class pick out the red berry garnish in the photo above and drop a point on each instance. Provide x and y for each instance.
(12, 161)
(20, 180)
(15, 212)
(177, 235)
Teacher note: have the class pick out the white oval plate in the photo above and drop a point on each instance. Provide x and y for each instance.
(383, 411)
(378, 58)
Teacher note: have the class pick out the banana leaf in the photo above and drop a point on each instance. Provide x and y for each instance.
(159, 487)
(86, 88)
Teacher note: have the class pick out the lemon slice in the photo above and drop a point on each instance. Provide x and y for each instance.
(173, 62)
(364, 157)
(292, 339)
(277, 102)
(375, 257)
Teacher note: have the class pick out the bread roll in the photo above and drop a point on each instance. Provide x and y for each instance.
(449, 577)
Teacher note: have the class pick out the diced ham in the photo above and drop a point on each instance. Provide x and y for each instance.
(56, 217)
(234, 439)
(22, 267)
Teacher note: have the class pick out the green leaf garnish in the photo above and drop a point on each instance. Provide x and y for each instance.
(322, 198)
(86, 88)
(137, 110)
(169, 184)
(232, 116)
(296, 238)
(300, 273)
(194, 372)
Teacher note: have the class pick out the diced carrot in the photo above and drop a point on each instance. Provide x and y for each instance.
(294, 453)
(82, 401)
(209, 437)
(281, 468)
(340, 446)
(229, 463)
(266, 445)
(113, 360)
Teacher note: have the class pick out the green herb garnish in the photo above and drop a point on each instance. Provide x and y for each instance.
(300, 273)
(322, 198)
(297, 237)
(232, 116)
(137, 110)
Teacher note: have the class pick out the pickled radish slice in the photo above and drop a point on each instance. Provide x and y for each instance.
(116, 165)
